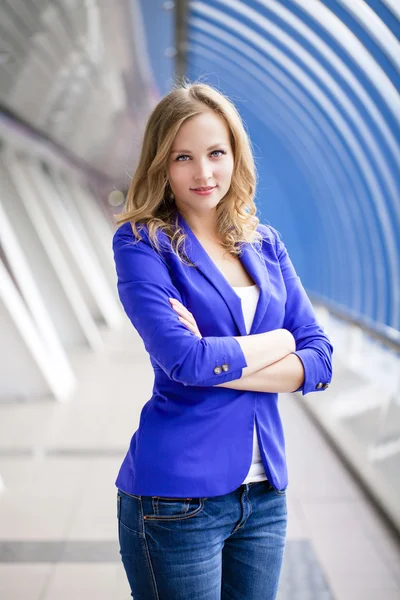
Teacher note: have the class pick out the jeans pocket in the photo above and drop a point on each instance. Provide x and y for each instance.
(129, 512)
(280, 492)
(160, 508)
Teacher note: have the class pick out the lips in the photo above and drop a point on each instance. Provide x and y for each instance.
(204, 189)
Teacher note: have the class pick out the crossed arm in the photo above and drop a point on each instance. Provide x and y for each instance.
(284, 375)
(266, 362)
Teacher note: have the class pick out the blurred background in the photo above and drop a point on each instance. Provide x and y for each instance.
(317, 84)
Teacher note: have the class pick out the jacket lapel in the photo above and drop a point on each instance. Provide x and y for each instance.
(252, 262)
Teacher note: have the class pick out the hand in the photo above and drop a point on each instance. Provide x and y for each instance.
(185, 317)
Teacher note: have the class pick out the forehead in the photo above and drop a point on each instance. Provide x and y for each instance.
(201, 132)
(214, 146)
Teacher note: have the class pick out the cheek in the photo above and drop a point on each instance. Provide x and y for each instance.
(174, 176)
(225, 171)
(177, 174)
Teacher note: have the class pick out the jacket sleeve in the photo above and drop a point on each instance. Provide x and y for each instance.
(144, 288)
(313, 346)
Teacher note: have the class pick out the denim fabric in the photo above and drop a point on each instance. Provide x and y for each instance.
(218, 548)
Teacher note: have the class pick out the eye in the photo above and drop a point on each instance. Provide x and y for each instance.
(183, 155)
(222, 151)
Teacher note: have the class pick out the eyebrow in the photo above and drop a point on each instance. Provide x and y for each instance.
(210, 148)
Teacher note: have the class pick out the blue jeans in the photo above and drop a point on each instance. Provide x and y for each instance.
(218, 548)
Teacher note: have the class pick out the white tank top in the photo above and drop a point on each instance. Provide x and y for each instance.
(249, 296)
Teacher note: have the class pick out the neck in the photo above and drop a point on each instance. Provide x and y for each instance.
(203, 226)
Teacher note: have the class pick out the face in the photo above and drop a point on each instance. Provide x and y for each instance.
(201, 156)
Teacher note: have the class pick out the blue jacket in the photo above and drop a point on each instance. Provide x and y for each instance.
(193, 439)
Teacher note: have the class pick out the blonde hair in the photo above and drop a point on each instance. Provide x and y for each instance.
(150, 200)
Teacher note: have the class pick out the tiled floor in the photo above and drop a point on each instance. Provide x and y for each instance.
(58, 528)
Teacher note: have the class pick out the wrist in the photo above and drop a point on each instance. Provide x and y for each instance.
(290, 341)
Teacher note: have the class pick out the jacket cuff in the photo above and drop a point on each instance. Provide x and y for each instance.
(229, 367)
(312, 371)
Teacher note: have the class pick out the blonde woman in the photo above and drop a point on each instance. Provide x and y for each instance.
(201, 493)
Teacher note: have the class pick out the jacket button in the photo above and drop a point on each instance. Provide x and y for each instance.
(319, 385)
(325, 386)
(225, 367)
(217, 370)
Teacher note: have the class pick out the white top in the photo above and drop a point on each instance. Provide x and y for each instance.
(249, 297)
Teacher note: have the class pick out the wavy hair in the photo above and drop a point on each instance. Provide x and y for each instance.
(150, 200)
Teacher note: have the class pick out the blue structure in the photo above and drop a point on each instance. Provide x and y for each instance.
(317, 85)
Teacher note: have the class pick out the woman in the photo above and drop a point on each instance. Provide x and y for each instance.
(201, 500)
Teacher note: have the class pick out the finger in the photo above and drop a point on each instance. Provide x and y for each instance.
(178, 309)
(183, 311)
(177, 304)
(187, 323)
(193, 328)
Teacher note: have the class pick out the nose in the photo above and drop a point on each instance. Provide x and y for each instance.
(203, 172)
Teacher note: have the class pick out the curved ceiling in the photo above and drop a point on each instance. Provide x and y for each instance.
(317, 84)
(78, 73)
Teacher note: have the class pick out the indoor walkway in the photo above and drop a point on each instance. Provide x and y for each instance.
(58, 526)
